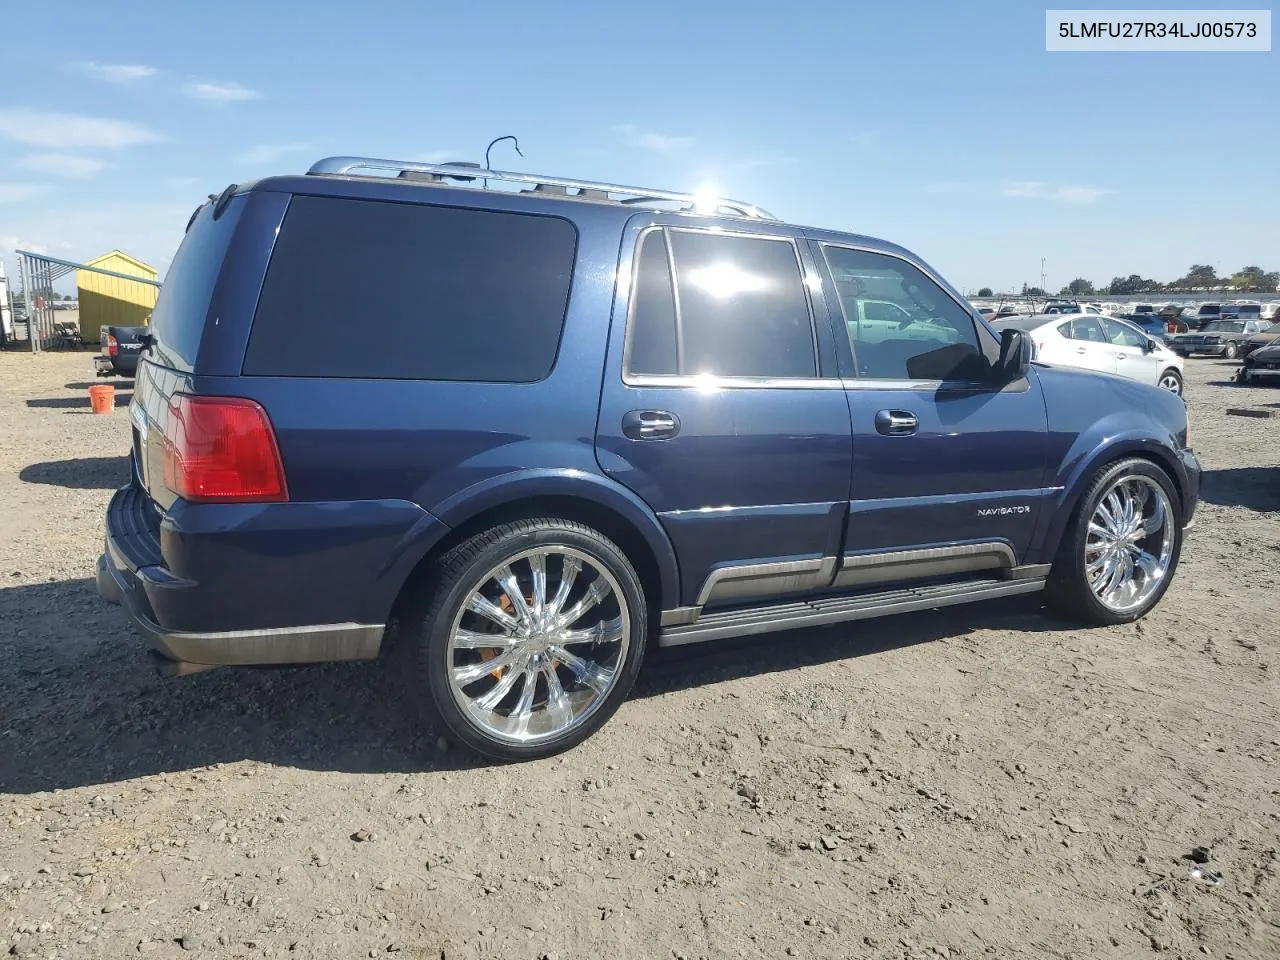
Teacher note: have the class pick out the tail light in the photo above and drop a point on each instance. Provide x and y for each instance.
(113, 346)
(222, 450)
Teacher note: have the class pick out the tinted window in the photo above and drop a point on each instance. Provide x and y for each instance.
(177, 321)
(1248, 310)
(1123, 335)
(652, 330)
(1209, 310)
(1224, 326)
(373, 290)
(1087, 328)
(1065, 329)
(928, 337)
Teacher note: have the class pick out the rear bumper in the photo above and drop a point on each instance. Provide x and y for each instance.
(259, 584)
(276, 645)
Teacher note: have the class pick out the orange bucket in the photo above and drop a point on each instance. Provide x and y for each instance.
(103, 397)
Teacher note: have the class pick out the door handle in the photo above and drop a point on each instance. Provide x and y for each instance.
(650, 425)
(1120, 356)
(1082, 349)
(896, 423)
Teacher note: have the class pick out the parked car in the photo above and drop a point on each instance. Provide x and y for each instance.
(1259, 340)
(1101, 344)
(1205, 313)
(1069, 306)
(1261, 366)
(123, 346)
(1153, 325)
(580, 425)
(1220, 338)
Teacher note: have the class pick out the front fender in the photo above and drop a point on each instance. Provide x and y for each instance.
(1092, 449)
(498, 491)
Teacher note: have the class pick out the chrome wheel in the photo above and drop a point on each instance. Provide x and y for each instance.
(1129, 544)
(538, 644)
(1170, 381)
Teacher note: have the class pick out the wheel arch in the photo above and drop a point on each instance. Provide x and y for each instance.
(1122, 448)
(567, 495)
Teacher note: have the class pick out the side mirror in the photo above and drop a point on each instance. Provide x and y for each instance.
(1149, 346)
(1015, 356)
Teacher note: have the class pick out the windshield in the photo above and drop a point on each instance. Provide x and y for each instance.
(1248, 310)
(1224, 326)
(1274, 328)
(1209, 309)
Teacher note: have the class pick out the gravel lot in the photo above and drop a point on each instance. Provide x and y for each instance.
(976, 781)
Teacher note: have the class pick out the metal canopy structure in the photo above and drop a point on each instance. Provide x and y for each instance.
(37, 320)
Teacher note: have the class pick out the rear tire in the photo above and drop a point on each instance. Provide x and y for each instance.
(568, 619)
(1121, 549)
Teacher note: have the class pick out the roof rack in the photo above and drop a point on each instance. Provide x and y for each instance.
(587, 189)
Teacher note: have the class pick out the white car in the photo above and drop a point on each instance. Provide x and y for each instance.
(1105, 344)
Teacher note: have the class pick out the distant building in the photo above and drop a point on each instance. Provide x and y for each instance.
(114, 301)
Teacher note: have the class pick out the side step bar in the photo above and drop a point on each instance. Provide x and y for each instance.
(816, 613)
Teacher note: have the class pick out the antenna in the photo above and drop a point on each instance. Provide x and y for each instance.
(487, 164)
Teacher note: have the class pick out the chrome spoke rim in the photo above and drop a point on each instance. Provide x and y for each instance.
(1171, 383)
(510, 666)
(1129, 543)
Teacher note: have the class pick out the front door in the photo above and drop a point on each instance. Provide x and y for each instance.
(722, 408)
(947, 466)
(1134, 359)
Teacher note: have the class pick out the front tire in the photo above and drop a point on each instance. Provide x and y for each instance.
(1171, 380)
(1119, 553)
(1231, 352)
(532, 638)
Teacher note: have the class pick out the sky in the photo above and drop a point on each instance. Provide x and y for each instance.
(946, 128)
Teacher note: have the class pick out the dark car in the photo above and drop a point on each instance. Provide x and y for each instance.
(1220, 338)
(1266, 338)
(1152, 324)
(1261, 366)
(123, 346)
(568, 420)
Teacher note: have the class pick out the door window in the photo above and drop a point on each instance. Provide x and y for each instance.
(901, 324)
(1123, 335)
(1087, 328)
(739, 308)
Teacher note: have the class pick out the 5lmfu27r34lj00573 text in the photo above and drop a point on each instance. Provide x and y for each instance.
(573, 420)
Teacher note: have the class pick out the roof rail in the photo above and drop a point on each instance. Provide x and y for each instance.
(407, 169)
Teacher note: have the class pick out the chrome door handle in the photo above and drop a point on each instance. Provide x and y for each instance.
(1082, 350)
(896, 423)
(650, 425)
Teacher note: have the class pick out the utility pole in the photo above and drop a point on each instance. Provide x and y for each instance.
(1042, 277)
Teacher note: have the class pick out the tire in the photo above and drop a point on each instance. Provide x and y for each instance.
(1171, 380)
(542, 698)
(1070, 592)
(1231, 352)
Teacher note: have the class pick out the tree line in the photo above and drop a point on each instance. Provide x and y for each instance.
(1199, 279)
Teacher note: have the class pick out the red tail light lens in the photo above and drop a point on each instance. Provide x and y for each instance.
(113, 346)
(222, 450)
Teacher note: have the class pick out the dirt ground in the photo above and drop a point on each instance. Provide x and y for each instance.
(975, 781)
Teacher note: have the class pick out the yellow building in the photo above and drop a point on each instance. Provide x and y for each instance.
(106, 300)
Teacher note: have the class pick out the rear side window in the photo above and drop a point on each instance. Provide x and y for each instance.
(177, 322)
(739, 308)
(362, 289)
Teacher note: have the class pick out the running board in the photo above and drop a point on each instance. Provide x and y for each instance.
(817, 613)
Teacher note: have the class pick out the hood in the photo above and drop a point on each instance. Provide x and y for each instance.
(1270, 353)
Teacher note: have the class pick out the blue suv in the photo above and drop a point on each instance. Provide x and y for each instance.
(523, 428)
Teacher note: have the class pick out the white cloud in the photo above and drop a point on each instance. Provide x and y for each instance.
(229, 92)
(1062, 193)
(62, 130)
(114, 72)
(264, 153)
(61, 164)
(17, 192)
(652, 140)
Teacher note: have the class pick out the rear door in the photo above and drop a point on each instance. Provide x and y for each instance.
(1089, 347)
(722, 407)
